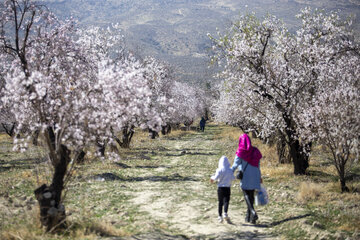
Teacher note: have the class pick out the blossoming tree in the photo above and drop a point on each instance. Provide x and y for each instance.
(71, 95)
(332, 116)
(272, 76)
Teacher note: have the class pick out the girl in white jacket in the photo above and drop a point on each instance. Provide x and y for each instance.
(224, 176)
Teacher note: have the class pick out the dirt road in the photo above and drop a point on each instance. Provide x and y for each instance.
(174, 189)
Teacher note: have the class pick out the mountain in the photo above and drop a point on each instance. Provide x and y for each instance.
(176, 30)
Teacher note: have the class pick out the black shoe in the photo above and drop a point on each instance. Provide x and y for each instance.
(247, 219)
(254, 218)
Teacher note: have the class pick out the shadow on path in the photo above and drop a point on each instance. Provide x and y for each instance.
(171, 178)
(288, 219)
(26, 163)
(220, 236)
(273, 224)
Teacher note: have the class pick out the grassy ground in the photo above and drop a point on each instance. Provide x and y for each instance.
(159, 189)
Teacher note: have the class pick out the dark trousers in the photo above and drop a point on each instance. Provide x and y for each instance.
(249, 199)
(224, 199)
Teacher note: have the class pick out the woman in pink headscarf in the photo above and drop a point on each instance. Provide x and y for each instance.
(247, 159)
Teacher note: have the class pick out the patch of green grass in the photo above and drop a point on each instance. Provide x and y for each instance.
(296, 233)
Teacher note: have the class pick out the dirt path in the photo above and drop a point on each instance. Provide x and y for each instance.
(177, 192)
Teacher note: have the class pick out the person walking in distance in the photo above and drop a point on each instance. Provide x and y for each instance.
(224, 176)
(202, 124)
(247, 160)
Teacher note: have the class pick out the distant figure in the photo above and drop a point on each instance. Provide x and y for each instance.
(224, 176)
(202, 124)
(247, 159)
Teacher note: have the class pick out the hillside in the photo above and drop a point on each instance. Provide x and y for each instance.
(176, 30)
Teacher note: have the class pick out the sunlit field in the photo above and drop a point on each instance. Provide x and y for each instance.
(160, 188)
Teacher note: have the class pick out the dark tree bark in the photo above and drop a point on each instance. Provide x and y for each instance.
(282, 150)
(127, 134)
(344, 188)
(298, 152)
(206, 114)
(9, 130)
(342, 175)
(101, 147)
(166, 129)
(153, 134)
(52, 211)
(299, 156)
(35, 138)
(80, 157)
(340, 161)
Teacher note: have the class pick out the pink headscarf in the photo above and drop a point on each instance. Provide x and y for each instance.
(247, 152)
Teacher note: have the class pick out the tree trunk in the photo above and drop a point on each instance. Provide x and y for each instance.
(299, 157)
(10, 131)
(127, 134)
(163, 130)
(52, 211)
(341, 170)
(344, 188)
(206, 114)
(282, 150)
(80, 157)
(101, 147)
(298, 152)
(166, 129)
(153, 134)
(35, 137)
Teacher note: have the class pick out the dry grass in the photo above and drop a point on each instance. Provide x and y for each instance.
(280, 172)
(229, 133)
(5, 138)
(99, 228)
(309, 191)
(29, 227)
(26, 227)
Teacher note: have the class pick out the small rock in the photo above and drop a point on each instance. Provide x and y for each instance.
(19, 184)
(307, 221)
(317, 225)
